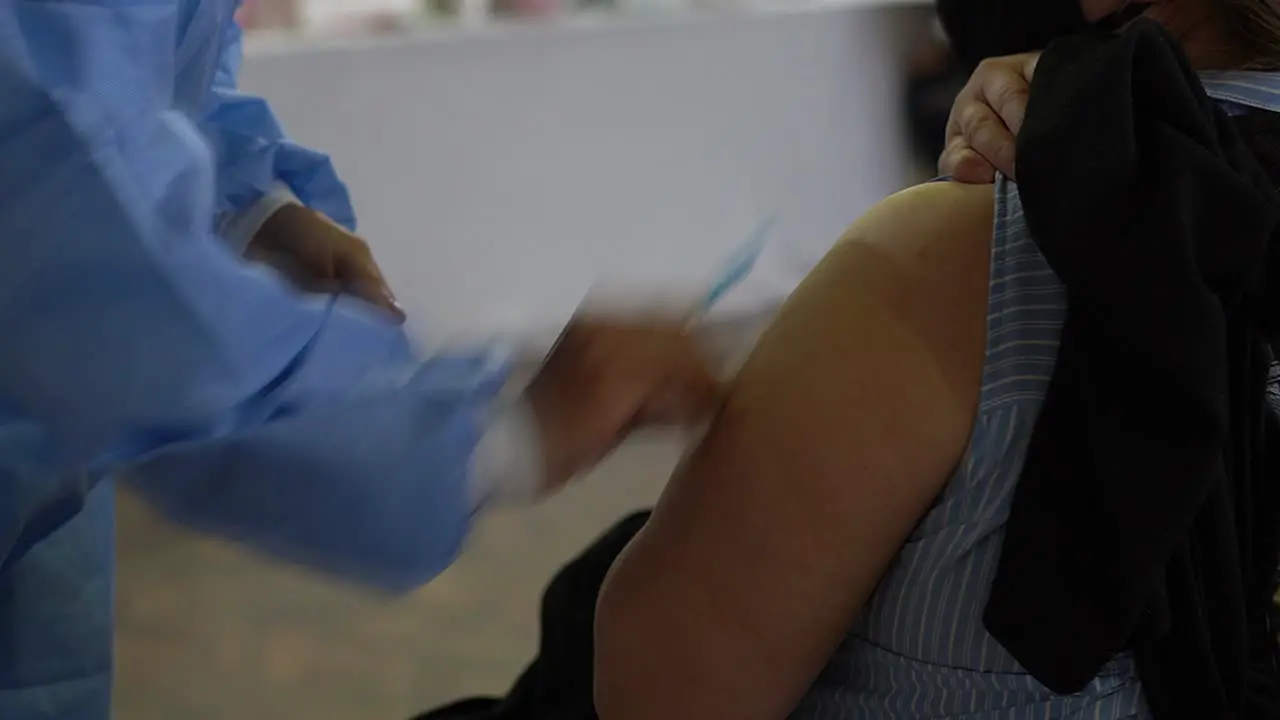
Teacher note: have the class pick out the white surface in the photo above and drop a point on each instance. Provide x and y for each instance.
(428, 29)
(322, 14)
(498, 179)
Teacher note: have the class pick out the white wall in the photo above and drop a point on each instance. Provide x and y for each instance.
(499, 175)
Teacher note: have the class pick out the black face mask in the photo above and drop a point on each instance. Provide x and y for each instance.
(981, 29)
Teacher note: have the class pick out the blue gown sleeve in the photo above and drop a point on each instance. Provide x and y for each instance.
(134, 340)
(252, 152)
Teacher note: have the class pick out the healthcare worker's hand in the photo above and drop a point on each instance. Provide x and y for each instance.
(986, 117)
(606, 378)
(321, 256)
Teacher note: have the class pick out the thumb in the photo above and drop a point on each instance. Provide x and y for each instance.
(375, 293)
(361, 278)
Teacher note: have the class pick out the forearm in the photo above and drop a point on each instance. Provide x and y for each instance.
(377, 486)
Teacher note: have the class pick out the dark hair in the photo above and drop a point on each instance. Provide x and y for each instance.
(1253, 28)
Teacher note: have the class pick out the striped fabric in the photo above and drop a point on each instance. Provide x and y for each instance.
(1239, 89)
(919, 650)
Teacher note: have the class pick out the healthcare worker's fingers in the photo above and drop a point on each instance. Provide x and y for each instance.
(986, 118)
(360, 276)
(607, 377)
(319, 255)
(354, 267)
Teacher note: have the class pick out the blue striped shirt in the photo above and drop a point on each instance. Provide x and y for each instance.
(919, 649)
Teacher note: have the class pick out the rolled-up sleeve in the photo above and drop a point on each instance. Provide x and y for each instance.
(133, 340)
(256, 161)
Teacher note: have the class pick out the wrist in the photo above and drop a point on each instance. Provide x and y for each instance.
(558, 466)
(285, 227)
(507, 468)
(241, 229)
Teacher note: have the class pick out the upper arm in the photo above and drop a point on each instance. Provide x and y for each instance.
(836, 437)
(230, 55)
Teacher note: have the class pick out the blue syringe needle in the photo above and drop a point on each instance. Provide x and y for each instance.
(740, 265)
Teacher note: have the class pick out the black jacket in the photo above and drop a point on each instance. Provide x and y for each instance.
(1146, 517)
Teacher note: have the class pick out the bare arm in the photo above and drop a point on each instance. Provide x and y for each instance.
(838, 434)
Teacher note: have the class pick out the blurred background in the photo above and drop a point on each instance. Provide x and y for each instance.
(506, 156)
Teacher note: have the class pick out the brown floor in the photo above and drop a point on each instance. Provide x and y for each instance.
(209, 633)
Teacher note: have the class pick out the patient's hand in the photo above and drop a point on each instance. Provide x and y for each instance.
(985, 119)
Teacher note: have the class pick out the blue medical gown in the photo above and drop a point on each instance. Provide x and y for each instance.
(133, 341)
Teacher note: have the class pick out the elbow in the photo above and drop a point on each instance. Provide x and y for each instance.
(412, 538)
(661, 653)
(627, 659)
(418, 562)
(613, 686)
(395, 558)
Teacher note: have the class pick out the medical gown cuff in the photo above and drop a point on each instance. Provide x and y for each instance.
(507, 466)
(239, 228)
